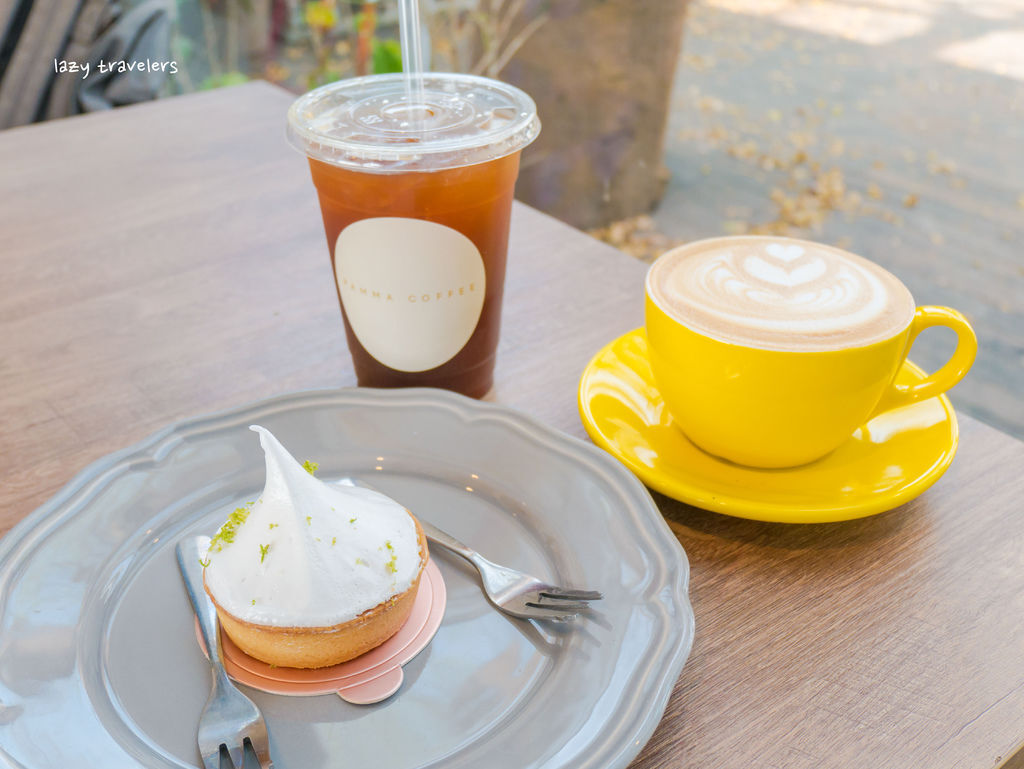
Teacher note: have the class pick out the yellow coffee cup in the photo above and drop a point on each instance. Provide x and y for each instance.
(771, 352)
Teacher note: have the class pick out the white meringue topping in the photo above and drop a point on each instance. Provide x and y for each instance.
(310, 554)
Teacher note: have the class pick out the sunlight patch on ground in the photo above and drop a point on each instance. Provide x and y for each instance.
(877, 22)
(869, 24)
(1001, 53)
(986, 9)
(866, 24)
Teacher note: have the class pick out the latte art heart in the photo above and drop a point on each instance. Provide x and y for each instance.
(797, 275)
(777, 293)
(784, 252)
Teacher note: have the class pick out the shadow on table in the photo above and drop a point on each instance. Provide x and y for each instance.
(692, 523)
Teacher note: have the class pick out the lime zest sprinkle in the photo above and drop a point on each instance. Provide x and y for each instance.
(360, 562)
(253, 601)
(351, 520)
(271, 525)
(310, 466)
(264, 549)
(309, 520)
(391, 565)
(334, 541)
(226, 534)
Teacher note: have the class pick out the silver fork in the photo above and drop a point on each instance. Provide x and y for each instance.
(230, 719)
(510, 590)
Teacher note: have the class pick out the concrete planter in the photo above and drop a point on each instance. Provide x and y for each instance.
(601, 72)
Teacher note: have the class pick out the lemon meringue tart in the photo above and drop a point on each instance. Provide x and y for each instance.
(311, 574)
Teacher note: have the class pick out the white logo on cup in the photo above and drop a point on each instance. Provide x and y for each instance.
(413, 290)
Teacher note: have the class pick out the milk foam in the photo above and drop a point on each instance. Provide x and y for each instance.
(779, 294)
(308, 553)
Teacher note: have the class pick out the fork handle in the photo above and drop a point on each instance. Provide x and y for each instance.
(189, 552)
(447, 540)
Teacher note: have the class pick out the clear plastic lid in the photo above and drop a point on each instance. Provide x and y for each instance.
(370, 124)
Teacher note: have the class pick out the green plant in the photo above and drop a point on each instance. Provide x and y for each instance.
(386, 56)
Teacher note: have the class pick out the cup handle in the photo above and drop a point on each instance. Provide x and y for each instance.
(947, 376)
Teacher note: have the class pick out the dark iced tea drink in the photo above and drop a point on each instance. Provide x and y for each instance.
(416, 203)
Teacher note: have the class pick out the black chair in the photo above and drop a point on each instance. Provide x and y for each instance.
(35, 35)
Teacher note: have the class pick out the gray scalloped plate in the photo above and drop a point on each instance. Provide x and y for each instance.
(98, 666)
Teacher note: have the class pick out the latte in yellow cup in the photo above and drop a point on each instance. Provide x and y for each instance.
(771, 352)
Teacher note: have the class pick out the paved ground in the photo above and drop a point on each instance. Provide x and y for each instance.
(894, 128)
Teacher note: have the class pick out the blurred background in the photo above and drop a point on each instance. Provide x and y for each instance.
(892, 128)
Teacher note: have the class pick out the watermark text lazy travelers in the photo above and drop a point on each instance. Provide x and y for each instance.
(63, 66)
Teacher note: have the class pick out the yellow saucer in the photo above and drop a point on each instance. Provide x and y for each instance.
(889, 461)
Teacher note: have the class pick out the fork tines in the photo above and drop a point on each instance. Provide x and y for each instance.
(234, 757)
(571, 595)
(560, 606)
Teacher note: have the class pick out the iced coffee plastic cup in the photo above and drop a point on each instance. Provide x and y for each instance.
(416, 200)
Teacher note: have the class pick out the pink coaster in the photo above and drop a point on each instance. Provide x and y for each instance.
(370, 678)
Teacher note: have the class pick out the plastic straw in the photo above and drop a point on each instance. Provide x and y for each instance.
(412, 54)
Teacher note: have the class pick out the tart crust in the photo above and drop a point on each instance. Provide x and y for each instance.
(317, 647)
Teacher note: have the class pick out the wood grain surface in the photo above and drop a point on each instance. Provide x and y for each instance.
(163, 261)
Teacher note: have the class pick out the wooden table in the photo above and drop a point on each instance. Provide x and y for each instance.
(167, 260)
